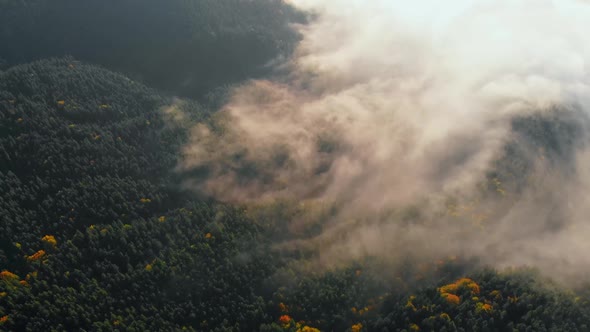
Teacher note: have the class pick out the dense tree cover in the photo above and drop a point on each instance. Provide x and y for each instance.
(79, 142)
(93, 233)
(488, 301)
(184, 46)
(96, 234)
(551, 138)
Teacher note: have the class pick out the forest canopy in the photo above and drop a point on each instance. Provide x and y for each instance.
(231, 165)
(183, 46)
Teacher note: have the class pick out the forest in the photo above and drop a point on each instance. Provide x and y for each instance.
(100, 230)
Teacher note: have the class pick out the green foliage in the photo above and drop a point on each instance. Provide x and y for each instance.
(185, 46)
(549, 140)
(80, 145)
(96, 234)
(87, 157)
(515, 301)
(85, 175)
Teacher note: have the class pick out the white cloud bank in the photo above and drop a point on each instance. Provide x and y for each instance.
(394, 102)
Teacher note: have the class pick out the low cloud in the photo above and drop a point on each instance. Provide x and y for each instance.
(391, 106)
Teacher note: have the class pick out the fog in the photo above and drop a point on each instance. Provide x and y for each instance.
(392, 105)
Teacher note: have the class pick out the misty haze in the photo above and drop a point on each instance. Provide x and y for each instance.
(294, 165)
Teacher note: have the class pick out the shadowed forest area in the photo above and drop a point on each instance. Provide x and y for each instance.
(100, 229)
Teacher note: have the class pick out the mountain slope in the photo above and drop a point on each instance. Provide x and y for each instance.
(187, 47)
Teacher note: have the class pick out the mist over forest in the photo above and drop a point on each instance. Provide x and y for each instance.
(294, 165)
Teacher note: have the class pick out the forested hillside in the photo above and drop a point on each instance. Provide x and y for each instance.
(187, 47)
(100, 230)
